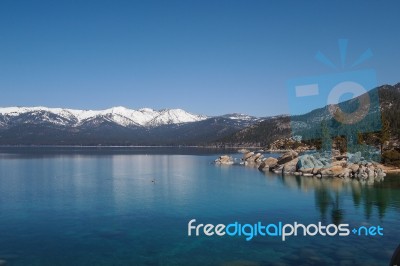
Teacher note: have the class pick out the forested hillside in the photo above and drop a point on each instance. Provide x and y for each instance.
(381, 122)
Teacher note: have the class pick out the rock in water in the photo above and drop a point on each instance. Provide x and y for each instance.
(224, 159)
(254, 160)
(267, 164)
(287, 157)
(247, 155)
(305, 163)
(308, 162)
(380, 173)
(277, 169)
(290, 167)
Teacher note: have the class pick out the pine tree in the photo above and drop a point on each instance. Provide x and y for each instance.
(325, 137)
(360, 138)
(385, 132)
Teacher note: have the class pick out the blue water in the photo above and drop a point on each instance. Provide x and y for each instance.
(100, 207)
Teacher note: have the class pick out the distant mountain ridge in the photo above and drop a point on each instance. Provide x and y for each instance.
(120, 115)
(114, 126)
(270, 129)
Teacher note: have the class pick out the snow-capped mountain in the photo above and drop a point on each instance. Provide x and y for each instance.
(113, 126)
(123, 126)
(122, 116)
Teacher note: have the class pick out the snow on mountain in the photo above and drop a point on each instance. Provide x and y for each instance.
(241, 116)
(237, 116)
(174, 116)
(120, 115)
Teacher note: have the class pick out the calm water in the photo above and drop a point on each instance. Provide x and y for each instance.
(100, 207)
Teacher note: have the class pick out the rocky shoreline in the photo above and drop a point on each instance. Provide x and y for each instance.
(316, 164)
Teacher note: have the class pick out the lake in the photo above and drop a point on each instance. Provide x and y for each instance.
(131, 206)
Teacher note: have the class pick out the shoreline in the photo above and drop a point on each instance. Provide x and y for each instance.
(313, 164)
(130, 146)
(387, 168)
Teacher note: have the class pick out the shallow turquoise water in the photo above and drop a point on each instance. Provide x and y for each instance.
(100, 207)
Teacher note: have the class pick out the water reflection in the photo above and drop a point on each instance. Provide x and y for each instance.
(104, 209)
(330, 193)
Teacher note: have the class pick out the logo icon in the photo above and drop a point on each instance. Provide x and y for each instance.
(349, 103)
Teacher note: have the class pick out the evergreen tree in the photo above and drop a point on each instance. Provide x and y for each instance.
(385, 132)
(325, 137)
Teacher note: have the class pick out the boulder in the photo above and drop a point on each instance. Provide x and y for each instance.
(268, 163)
(339, 163)
(380, 173)
(306, 170)
(346, 173)
(254, 160)
(335, 170)
(305, 163)
(338, 171)
(362, 172)
(309, 161)
(323, 162)
(287, 157)
(247, 155)
(370, 172)
(290, 167)
(353, 167)
(316, 171)
(257, 156)
(277, 169)
(224, 159)
(355, 158)
(341, 157)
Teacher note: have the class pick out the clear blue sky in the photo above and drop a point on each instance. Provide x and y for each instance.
(209, 57)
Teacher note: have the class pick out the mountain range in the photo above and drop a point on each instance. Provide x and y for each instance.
(114, 126)
(119, 115)
(123, 126)
(385, 105)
